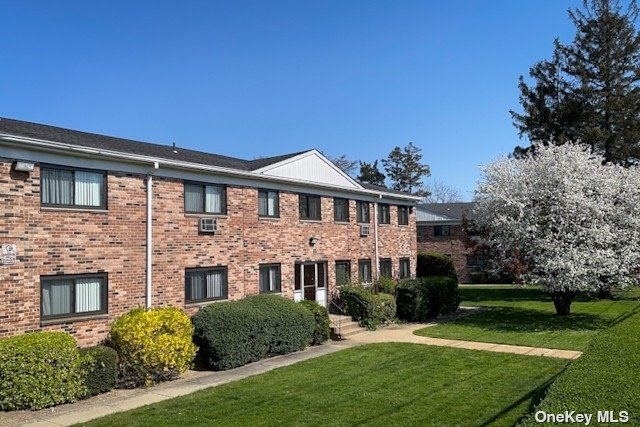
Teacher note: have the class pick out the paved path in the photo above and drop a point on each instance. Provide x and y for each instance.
(122, 400)
(405, 333)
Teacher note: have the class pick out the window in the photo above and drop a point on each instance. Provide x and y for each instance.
(477, 262)
(384, 214)
(73, 187)
(341, 209)
(205, 198)
(205, 284)
(70, 296)
(343, 272)
(441, 230)
(403, 215)
(385, 267)
(268, 203)
(269, 278)
(364, 270)
(310, 207)
(363, 211)
(405, 268)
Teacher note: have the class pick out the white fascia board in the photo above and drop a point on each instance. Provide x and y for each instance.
(443, 222)
(62, 148)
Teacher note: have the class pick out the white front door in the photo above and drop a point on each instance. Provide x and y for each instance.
(311, 282)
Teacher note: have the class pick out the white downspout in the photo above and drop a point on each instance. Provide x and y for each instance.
(375, 235)
(149, 290)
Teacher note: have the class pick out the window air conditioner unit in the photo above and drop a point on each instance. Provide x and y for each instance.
(208, 225)
(364, 230)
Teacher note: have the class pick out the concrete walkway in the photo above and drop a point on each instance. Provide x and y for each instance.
(405, 333)
(192, 381)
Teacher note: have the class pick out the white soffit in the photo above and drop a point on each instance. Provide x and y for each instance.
(310, 166)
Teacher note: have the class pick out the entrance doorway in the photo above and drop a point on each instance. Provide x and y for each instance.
(311, 282)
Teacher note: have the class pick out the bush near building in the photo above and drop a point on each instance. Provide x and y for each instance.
(435, 264)
(322, 329)
(38, 370)
(153, 345)
(427, 297)
(234, 333)
(100, 365)
(367, 308)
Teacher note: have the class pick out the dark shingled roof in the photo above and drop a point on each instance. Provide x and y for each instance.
(452, 210)
(92, 140)
(381, 188)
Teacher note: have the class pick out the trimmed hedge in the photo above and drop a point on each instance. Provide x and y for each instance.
(370, 310)
(153, 345)
(40, 369)
(435, 264)
(421, 299)
(605, 377)
(100, 364)
(234, 333)
(322, 326)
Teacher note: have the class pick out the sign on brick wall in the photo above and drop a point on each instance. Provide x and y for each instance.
(8, 254)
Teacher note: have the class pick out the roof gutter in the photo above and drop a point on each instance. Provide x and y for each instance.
(136, 158)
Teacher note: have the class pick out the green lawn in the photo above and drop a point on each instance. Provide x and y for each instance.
(378, 384)
(525, 316)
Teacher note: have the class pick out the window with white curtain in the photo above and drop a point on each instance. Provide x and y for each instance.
(73, 187)
(205, 284)
(205, 198)
(269, 278)
(268, 203)
(77, 295)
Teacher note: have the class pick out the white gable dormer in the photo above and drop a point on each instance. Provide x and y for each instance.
(310, 166)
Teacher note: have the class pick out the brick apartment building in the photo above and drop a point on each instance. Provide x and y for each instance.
(440, 229)
(78, 249)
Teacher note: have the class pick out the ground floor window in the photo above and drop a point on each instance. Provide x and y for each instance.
(205, 284)
(386, 269)
(405, 268)
(343, 272)
(73, 295)
(270, 278)
(364, 270)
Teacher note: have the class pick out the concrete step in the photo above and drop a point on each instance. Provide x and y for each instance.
(343, 327)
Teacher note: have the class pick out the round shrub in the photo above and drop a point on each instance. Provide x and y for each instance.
(100, 364)
(321, 314)
(234, 333)
(369, 309)
(153, 345)
(38, 370)
(435, 264)
(421, 299)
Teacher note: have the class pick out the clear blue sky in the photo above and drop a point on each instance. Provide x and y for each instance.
(261, 78)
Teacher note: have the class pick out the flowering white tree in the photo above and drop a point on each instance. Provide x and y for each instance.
(572, 220)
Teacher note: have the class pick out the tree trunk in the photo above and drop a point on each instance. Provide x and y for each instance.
(562, 301)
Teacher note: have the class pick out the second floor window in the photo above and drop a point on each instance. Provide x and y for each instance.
(73, 187)
(205, 198)
(384, 214)
(403, 215)
(363, 211)
(341, 209)
(268, 203)
(310, 207)
(441, 230)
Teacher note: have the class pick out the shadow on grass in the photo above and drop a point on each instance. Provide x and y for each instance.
(504, 294)
(511, 319)
(534, 397)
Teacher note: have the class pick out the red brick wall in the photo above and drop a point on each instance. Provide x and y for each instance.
(55, 241)
(453, 245)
